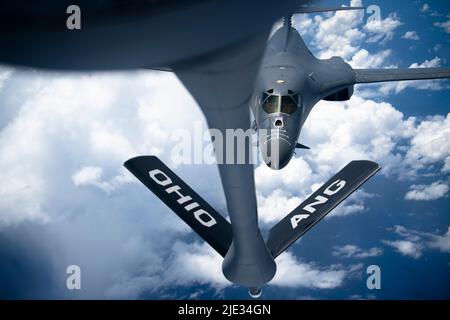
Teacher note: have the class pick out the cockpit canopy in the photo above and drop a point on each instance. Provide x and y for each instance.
(273, 103)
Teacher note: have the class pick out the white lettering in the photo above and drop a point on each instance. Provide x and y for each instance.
(374, 280)
(176, 189)
(339, 183)
(201, 213)
(164, 182)
(74, 279)
(297, 218)
(319, 200)
(73, 22)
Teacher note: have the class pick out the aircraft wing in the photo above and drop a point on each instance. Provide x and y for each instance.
(319, 204)
(185, 202)
(383, 75)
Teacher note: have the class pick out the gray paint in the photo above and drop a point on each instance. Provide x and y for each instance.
(224, 103)
(222, 58)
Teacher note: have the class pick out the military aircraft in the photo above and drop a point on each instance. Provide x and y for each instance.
(231, 68)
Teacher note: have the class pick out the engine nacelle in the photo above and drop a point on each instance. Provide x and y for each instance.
(341, 95)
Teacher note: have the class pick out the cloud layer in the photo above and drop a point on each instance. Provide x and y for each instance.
(64, 138)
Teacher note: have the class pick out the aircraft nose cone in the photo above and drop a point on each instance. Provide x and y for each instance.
(277, 152)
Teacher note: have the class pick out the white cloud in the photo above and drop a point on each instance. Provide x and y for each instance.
(5, 73)
(406, 248)
(352, 251)
(276, 206)
(85, 138)
(433, 63)
(441, 243)
(430, 145)
(187, 265)
(343, 34)
(87, 175)
(415, 243)
(397, 87)
(195, 263)
(93, 176)
(293, 273)
(364, 60)
(71, 121)
(434, 191)
(72, 133)
(338, 35)
(347, 208)
(411, 35)
(202, 265)
(302, 22)
(365, 129)
(382, 30)
(297, 177)
(445, 26)
(425, 8)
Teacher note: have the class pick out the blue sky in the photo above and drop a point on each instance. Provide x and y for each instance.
(66, 199)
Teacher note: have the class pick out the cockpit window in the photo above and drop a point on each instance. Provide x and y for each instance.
(288, 104)
(270, 105)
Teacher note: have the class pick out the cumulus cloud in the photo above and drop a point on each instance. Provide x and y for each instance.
(430, 145)
(278, 193)
(445, 26)
(414, 243)
(61, 160)
(338, 35)
(365, 129)
(116, 117)
(383, 30)
(352, 251)
(62, 144)
(364, 60)
(202, 265)
(276, 206)
(293, 273)
(397, 87)
(434, 191)
(93, 176)
(357, 129)
(411, 35)
(197, 264)
(406, 248)
(441, 243)
(427, 9)
(63, 147)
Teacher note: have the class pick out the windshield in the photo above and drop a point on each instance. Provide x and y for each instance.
(288, 105)
(270, 105)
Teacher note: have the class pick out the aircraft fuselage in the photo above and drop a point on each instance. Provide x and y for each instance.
(289, 84)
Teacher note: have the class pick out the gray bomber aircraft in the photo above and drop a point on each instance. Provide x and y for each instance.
(230, 67)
